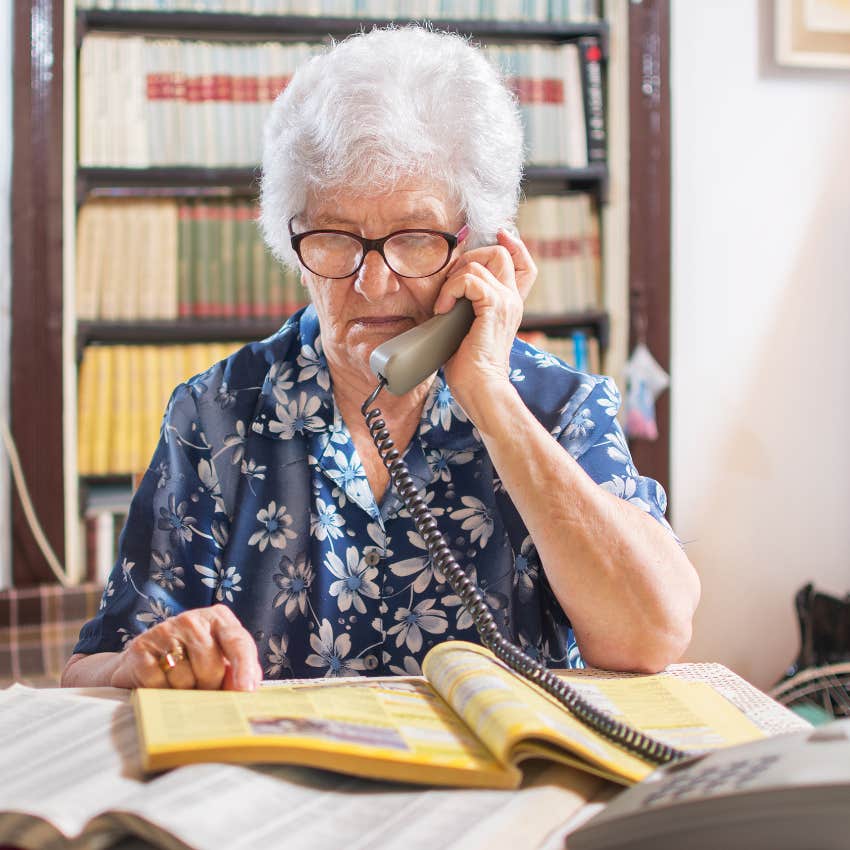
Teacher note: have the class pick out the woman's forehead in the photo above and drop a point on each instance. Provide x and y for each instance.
(410, 202)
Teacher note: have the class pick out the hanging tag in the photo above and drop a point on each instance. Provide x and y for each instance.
(645, 381)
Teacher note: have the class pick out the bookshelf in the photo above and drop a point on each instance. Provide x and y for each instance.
(244, 182)
(595, 322)
(46, 176)
(297, 26)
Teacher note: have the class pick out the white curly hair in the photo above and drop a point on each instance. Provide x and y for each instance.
(386, 105)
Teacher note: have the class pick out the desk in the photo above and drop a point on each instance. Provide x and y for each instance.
(73, 755)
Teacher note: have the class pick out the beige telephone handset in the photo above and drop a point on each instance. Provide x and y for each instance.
(406, 360)
(401, 364)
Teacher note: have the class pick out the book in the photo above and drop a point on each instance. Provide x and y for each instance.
(72, 778)
(469, 722)
(594, 98)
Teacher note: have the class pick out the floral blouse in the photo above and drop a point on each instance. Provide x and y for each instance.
(256, 499)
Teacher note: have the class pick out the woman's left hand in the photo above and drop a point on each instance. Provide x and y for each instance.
(496, 279)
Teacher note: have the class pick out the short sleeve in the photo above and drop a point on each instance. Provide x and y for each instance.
(176, 526)
(591, 433)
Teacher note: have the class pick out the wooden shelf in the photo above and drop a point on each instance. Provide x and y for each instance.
(155, 331)
(190, 182)
(297, 27)
(232, 330)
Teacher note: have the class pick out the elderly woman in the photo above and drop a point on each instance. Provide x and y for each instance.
(264, 540)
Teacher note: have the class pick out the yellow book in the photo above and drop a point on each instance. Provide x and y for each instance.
(134, 412)
(121, 462)
(469, 721)
(154, 403)
(87, 412)
(102, 424)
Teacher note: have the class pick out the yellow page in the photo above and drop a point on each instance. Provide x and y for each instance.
(396, 729)
(516, 720)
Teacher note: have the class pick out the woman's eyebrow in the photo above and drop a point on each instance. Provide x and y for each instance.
(418, 218)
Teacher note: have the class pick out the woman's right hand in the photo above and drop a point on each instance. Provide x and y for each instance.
(219, 654)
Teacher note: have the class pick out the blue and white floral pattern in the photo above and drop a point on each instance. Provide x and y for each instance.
(256, 499)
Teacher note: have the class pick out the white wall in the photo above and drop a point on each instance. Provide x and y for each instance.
(5, 277)
(761, 330)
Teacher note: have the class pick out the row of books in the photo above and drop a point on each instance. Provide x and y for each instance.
(167, 102)
(579, 349)
(169, 259)
(122, 393)
(562, 235)
(571, 11)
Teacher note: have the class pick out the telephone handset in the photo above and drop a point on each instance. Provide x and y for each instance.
(406, 360)
(400, 364)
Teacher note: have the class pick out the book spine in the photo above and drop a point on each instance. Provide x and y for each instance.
(573, 117)
(259, 282)
(104, 545)
(201, 260)
(103, 419)
(227, 307)
(120, 461)
(569, 255)
(580, 350)
(215, 302)
(113, 241)
(244, 225)
(155, 400)
(86, 280)
(594, 98)
(166, 281)
(87, 410)
(184, 255)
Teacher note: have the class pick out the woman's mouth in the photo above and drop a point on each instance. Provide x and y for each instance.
(378, 322)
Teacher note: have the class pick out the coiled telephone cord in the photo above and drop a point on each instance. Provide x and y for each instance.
(636, 742)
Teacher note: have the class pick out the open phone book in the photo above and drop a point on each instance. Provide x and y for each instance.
(470, 721)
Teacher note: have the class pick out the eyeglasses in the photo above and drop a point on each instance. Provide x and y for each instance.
(337, 254)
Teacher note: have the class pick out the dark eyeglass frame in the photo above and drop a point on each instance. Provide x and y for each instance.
(452, 241)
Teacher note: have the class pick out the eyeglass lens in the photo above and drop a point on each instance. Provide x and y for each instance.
(416, 254)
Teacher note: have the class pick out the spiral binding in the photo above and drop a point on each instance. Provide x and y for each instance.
(651, 750)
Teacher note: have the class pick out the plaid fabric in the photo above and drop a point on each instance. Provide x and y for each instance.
(39, 627)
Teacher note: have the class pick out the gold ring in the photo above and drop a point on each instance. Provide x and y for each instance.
(169, 659)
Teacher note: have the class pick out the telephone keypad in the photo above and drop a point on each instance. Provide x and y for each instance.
(709, 781)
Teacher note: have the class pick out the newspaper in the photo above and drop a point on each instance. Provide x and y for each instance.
(72, 778)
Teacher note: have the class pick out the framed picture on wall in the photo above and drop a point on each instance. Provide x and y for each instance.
(813, 33)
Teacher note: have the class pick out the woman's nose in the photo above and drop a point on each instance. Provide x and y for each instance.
(375, 280)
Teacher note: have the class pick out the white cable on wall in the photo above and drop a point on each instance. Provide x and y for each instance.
(29, 511)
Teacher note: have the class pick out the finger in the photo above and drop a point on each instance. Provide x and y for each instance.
(477, 285)
(141, 667)
(525, 268)
(175, 664)
(203, 653)
(495, 258)
(237, 646)
(169, 652)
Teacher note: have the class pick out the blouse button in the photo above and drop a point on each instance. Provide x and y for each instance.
(372, 558)
(370, 662)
